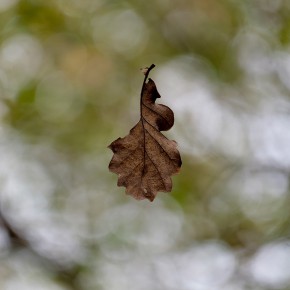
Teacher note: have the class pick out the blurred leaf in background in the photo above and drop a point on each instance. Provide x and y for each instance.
(69, 71)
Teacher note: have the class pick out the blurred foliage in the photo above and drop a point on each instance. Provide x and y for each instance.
(70, 84)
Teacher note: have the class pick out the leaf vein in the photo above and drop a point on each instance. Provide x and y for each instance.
(156, 169)
(131, 152)
(155, 113)
(158, 143)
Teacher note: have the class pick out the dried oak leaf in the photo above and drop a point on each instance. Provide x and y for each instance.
(145, 159)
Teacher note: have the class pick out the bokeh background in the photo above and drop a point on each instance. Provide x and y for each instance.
(70, 84)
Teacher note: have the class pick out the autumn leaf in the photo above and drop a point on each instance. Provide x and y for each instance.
(145, 159)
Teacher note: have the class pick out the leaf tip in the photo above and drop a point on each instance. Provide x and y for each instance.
(114, 145)
(148, 194)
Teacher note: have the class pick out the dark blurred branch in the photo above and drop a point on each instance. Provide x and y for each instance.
(15, 238)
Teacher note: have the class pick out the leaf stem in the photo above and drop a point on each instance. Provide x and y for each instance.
(146, 76)
(142, 119)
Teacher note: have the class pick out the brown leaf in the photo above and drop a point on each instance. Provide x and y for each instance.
(145, 159)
